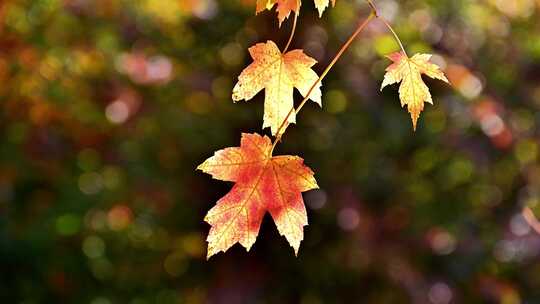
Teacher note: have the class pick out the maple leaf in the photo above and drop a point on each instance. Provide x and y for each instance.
(413, 92)
(278, 74)
(285, 7)
(262, 183)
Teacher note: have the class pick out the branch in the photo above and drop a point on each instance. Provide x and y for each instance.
(284, 124)
(292, 33)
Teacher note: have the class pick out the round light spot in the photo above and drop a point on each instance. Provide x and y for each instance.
(443, 243)
(93, 247)
(519, 226)
(90, 183)
(348, 219)
(492, 125)
(316, 199)
(119, 217)
(117, 112)
(440, 293)
(175, 264)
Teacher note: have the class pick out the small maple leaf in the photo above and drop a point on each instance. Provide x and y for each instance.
(413, 92)
(278, 74)
(262, 183)
(285, 7)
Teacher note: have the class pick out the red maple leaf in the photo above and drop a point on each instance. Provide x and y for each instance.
(262, 183)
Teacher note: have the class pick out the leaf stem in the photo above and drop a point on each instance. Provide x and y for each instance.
(345, 46)
(373, 8)
(292, 33)
(531, 219)
(396, 37)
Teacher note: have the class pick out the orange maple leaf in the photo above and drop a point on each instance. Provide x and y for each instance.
(285, 7)
(413, 92)
(262, 183)
(278, 74)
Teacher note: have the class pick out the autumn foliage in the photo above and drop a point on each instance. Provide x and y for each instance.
(413, 92)
(264, 182)
(278, 74)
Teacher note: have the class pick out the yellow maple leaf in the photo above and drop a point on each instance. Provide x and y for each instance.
(285, 7)
(263, 183)
(278, 74)
(413, 92)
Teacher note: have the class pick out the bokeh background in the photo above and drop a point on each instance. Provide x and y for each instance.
(108, 106)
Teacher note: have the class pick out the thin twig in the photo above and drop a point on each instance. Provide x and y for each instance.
(292, 33)
(529, 217)
(373, 8)
(284, 124)
(396, 37)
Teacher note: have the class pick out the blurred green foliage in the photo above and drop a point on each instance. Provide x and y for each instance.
(108, 106)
